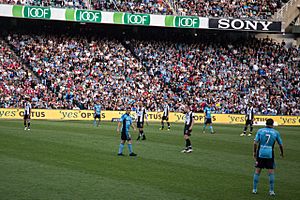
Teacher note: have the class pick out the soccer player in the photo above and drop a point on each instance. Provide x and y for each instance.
(97, 113)
(165, 117)
(249, 119)
(188, 127)
(207, 119)
(125, 123)
(141, 114)
(27, 113)
(263, 153)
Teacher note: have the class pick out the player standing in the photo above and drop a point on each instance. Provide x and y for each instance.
(165, 117)
(125, 122)
(207, 119)
(249, 117)
(141, 114)
(264, 155)
(27, 113)
(97, 113)
(188, 127)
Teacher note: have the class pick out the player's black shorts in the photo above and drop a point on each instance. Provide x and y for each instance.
(140, 124)
(125, 136)
(265, 163)
(26, 117)
(187, 131)
(207, 121)
(165, 118)
(97, 116)
(249, 122)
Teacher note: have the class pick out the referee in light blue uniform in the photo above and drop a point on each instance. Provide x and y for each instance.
(125, 123)
(263, 153)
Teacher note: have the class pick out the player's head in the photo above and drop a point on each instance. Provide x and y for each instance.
(186, 109)
(128, 110)
(140, 104)
(27, 98)
(270, 122)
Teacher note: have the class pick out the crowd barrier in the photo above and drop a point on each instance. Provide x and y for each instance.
(152, 116)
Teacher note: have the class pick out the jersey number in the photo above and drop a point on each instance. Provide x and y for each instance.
(269, 136)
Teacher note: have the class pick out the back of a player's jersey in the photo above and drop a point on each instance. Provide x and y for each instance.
(267, 138)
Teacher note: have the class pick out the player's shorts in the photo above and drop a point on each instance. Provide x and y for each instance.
(207, 121)
(97, 116)
(26, 117)
(249, 122)
(165, 118)
(265, 163)
(125, 136)
(140, 124)
(187, 131)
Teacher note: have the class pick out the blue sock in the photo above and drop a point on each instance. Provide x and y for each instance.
(271, 180)
(255, 180)
(94, 122)
(211, 129)
(204, 127)
(130, 148)
(121, 148)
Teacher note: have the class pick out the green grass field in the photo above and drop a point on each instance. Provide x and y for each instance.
(74, 160)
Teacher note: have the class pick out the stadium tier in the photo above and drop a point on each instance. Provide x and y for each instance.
(76, 70)
(255, 9)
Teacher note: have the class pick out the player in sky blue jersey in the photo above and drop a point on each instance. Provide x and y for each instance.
(208, 120)
(97, 113)
(124, 125)
(263, 153)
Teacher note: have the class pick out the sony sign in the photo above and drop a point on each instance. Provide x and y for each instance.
(246, 25)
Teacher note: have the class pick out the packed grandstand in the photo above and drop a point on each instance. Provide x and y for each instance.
(71, 71)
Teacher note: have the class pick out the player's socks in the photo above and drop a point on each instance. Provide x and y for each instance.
(162, 125)
(255, 181)
(129, 148)
(211, 129)
(121, 147)
(187, 143)
(29, 126)
(251, 129)
(168, 125)
(271, 180)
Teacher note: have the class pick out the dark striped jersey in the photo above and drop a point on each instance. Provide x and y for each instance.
(27, 108)
(141, 114)
(249, 113)
(166, 110)
(189, 118)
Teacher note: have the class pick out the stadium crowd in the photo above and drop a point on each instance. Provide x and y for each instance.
(77, 71)
(258, 9)
(16, 81)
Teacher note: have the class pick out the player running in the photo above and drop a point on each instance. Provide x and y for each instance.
(188, 126)
(97, 113)
(264, 155)
(207, 119)
(27, 113)
(249, 117)
(125, 122)
(141, 114)
(165, 117)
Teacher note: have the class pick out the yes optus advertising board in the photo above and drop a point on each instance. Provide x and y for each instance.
(96, 16)
(45, 114)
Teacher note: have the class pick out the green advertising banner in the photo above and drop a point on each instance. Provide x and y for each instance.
(137, 19)
(182, 21)
(37, 12)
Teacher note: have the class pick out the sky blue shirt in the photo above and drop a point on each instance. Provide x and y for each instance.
(207, 112)
(97, 108)
(126, 121)
(266, 137)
